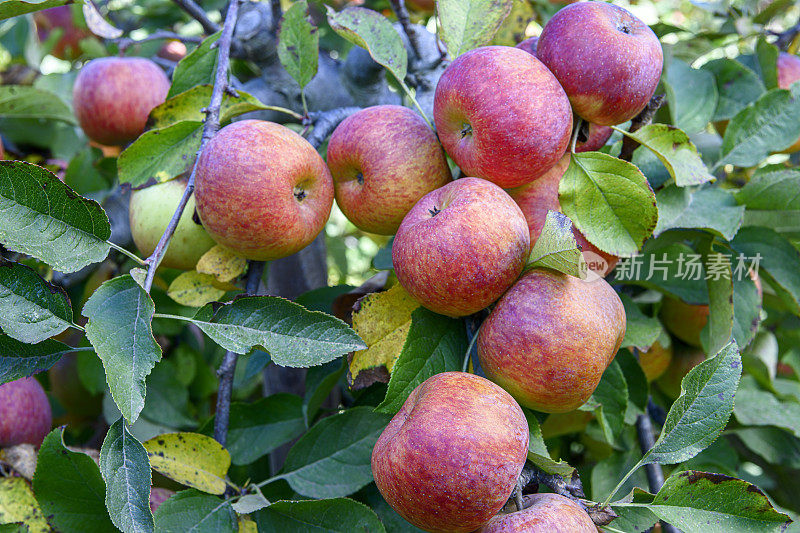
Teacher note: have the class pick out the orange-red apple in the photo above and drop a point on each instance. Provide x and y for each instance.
(262, 190)
(60, 19)
(550, 338)
(461, 246)
(683, 320)
(546, 512)
(25, 415)
(501, 115)
(383, 159)
(684, 359)
(449, 460)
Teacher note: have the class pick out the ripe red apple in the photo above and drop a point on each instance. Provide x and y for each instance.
(383, 160)
(150, 212)
(113, 96)
(683, 320)
(48, 21)
(608, 61)
(501, 115)
(529, 45)
(461, 247)
(550, 338)
(546, 512)
(684, 359)
(788, 73)
(158, 496)
(262, 190)
(25, 416)
(655, 360)
(449, 460)
(540, 196)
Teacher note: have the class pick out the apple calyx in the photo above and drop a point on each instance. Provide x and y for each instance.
(466, 129)
(360, 178)
(299, 193)
(435, 211)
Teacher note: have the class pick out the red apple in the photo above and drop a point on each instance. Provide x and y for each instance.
(535, 199)
(449, 460)
(25, 415)
(262, 190)
(683, 320)
(546, 512)
(608, 61)
(150, 212)
(655, 360)
(461, 247)
(113, 96)
(173, 51)
(383, 160)
(501, 115)
(550, 338)
(60, 18)
(788, 73)
(529, 45)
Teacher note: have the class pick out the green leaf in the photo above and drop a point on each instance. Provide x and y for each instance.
(737, 87)
(468, 24)
(195, 512)
(678, 154)
(292, 335)
(20, 359)
(701, 412)
(120, 329)
(298, 44)
(702, 502)
(775, 445)
(337, 515)
(779, 261)
(556, 247)
(320, 381)
(197, 68)
(372, 31)
(692, 95)
(160, 154)
(635, 379)
(679, 276)
(537, 450)
(42, 217)
(606, 472)
(434, 344)
(710, 208)
(333, 459)
(610, 202)
(257, 428)
(641, 330)
(167, 401)
(761, 408)
(21, 101)
(14, 8)
(194, 460)
(770, 124)
(746, 310)
(767, 55)
(69, 488)
(188, 105)
(719, 280)
(610, 401)
(772, 188)
(126, 471)
(31, 310)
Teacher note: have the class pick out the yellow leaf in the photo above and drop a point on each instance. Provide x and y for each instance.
(222, 264)
(194, 289)
(18, 504)
(247, 526)
(192, 459)
(382, 320)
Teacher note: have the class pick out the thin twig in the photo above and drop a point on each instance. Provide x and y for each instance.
(124, 42)
(200, 15)
(400, 11)
(325, 122)
(227, 369)
(785, 38)
(655, 475)
(277, 13)
(639, 121)
(209, 130)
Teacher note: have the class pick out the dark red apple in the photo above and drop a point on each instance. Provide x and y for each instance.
(25, 415)
(545, 513)
(608, 61)
(461, 247)
(60, 18)
(501, 115)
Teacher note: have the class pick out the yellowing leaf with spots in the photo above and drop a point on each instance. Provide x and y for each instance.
(192, 459)
(221, 263)
(382, 319)
(194, 289)
(247, 526)
(18, 504)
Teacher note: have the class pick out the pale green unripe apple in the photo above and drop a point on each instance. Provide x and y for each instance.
(151, 210)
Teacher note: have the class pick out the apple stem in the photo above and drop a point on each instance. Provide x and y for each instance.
(227, 369)
(575, 135)
(638, 122)
(199, 15)
(473, 331)
(400, 11)
(209, 130)
(277, 13)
